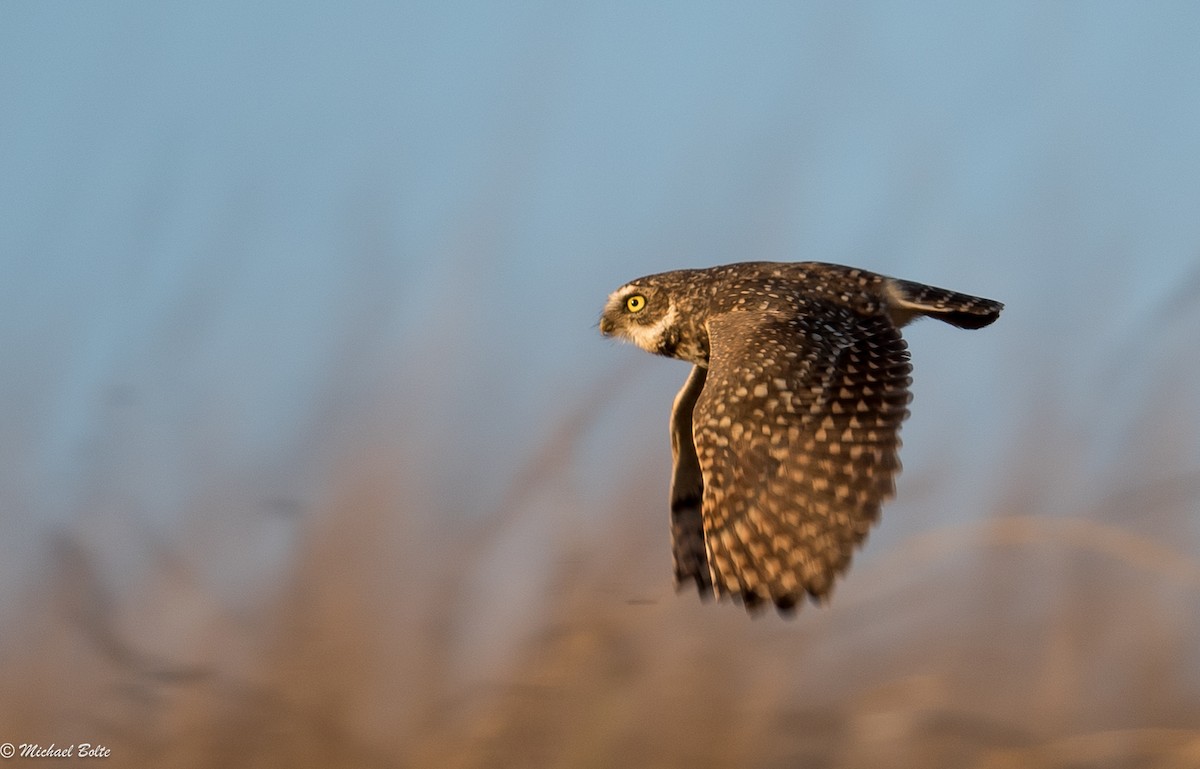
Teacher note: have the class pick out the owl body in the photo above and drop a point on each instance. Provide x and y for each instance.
(785, 435)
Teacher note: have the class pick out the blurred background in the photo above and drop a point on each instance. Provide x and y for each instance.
(311, 455)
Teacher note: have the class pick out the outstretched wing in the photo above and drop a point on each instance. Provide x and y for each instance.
(796, 433)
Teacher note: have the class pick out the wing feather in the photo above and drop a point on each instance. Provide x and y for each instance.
(796, 435)
(687, 488)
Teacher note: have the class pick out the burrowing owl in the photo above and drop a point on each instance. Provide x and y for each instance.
(785, 434)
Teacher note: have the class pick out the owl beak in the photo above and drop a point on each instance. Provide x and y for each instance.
(607, 327)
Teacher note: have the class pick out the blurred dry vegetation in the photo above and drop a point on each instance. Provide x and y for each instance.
(1016, 641)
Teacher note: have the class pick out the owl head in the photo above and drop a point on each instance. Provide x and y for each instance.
(643, 312)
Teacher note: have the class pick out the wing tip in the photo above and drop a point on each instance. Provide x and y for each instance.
(986, 315)
(959, 310)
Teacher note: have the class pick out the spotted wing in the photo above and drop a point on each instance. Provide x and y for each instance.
(796, 433)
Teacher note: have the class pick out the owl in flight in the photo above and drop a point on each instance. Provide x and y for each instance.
(785, 435)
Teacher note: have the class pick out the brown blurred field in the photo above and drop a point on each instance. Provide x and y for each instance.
(1021, 640)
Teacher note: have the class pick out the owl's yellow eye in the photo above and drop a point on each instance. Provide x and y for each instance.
(635, 303)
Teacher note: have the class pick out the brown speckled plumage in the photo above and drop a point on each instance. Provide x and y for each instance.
(785, 436)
